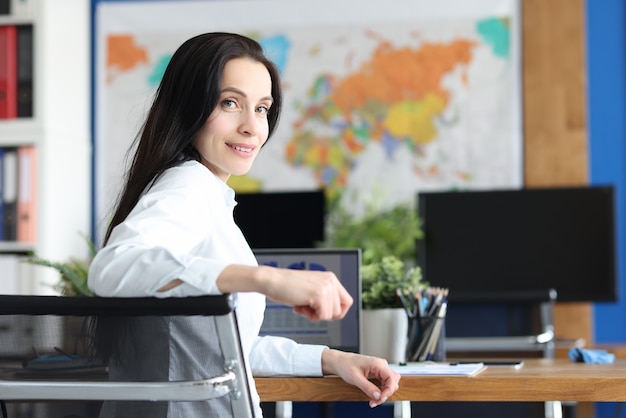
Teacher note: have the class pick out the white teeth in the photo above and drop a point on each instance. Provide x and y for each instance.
(242, 149)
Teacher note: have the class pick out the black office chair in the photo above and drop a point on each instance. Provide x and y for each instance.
(83, 380)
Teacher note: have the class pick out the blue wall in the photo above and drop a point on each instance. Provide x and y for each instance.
(606, 59)
(606, 69)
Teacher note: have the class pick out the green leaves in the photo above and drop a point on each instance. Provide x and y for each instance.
(387, 239)
(378, 233)
(379, 281)
(73, 273)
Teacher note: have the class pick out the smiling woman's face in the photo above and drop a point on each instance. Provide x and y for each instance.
(233, 134)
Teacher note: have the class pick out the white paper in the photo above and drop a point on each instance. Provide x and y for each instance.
(438, 369)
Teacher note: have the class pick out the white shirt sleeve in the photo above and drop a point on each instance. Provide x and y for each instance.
(278, 356)
(161, 238)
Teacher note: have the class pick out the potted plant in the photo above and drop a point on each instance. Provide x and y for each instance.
(387, 239)
(384, 317)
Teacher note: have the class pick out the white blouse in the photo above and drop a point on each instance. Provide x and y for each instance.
(183, 228)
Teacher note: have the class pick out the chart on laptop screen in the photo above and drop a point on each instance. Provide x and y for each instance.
(280, 320)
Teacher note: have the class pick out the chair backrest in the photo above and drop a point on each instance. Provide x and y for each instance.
(58, 377)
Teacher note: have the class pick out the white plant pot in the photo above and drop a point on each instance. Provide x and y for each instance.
(384, 333)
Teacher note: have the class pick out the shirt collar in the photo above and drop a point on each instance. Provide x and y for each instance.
(229, 196)
(228, 193)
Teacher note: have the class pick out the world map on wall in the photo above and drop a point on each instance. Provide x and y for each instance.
(398, 108)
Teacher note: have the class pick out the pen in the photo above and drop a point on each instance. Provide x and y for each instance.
(437, 299)
(434, 335)
(418, 308)
(405, 303)
(516, 364)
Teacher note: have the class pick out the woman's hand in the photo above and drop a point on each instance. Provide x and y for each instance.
(317, 295)
(358, 369)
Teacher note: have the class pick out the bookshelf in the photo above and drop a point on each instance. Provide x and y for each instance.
(59, 131)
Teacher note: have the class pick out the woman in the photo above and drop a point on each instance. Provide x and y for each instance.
(173, 235)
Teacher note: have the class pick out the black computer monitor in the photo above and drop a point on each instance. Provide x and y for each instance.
(526, 240)
(280, 320)
(290, 219)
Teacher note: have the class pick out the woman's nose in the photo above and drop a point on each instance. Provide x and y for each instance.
(250, 122)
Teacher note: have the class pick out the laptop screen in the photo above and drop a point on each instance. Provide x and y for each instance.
(280, 320)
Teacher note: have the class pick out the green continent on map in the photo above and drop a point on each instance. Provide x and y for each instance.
(394, 98)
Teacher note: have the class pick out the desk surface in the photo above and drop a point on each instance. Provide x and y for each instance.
(538, 380)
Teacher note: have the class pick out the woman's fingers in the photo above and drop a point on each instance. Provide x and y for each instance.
(319, 296)
(359, 371)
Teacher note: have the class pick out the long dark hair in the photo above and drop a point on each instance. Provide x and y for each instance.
(186, 96)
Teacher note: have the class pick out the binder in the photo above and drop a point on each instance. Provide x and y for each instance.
(8, 72)
(9, 196)
(27, 194)
(2, 193)
(24, 71)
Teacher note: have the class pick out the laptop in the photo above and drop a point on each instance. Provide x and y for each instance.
(280, 320)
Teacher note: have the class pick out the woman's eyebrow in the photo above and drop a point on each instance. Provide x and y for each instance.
(243, 94)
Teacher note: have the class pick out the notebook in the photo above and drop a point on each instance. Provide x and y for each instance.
(438, 369)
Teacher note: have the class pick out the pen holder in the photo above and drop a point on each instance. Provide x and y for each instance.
(426, 339)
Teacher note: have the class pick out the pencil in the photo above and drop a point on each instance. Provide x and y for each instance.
(435, 334)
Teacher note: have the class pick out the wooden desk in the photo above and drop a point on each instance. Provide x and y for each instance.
(539, 380)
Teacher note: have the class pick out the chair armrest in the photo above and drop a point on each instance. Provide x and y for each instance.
(195, 390)
(92, 306)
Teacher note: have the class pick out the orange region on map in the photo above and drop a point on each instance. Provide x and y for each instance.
(123, 54)
(395, 75)
(398, 91)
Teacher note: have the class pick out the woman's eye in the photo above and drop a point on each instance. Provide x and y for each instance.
(229, 103)
(262, 109)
